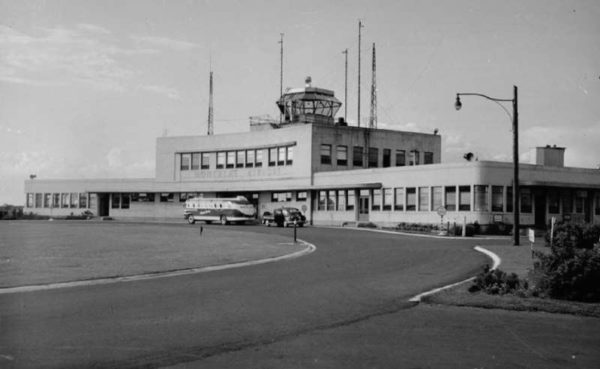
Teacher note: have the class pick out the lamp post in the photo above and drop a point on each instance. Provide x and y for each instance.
(515, 128)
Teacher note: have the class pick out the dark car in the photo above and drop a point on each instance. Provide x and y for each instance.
(284, 217)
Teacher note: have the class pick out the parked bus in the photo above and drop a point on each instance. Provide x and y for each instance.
(223, 210)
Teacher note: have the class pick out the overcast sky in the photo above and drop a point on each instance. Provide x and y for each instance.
(86, 87)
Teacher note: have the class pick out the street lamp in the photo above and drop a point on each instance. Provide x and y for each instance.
(515, 128)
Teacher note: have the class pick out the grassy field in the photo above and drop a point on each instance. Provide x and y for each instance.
(41, 252)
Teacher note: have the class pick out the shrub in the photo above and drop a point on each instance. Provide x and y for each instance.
(572, 270)
(498, 282)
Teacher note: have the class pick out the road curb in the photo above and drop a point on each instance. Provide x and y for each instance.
(496, 262)
(155, 275)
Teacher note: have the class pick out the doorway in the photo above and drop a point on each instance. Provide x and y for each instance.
(540, 210)
(363, 208)
(103, 204)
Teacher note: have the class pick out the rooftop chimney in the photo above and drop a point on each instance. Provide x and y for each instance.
(551, 156)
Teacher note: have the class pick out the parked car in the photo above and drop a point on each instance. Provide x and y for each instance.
(268, 218)
(284, 217)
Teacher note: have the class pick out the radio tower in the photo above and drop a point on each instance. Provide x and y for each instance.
(373, 116)
(210, 106)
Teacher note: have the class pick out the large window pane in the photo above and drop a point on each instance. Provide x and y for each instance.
(116, 200)
(322, 200)
(428, 157)
(249, 158)
(376, 206)
(325, 154)
(185, 161)
(342, 155)
(414, 158)
(220, 160)
(481, 198)
(125, 201)
(341, 200)
(497, 198)
(350, 202)
(400, 158)
(357, 156)
(399, 199)
(331, 197)
(195, 161)
(272, 156)
(450, 198)
(387, 198)
(259, 158)
(526, 200)
(553, 202)
(230, 159)
(436, 197)
(240, 159)
(281, 151)
(289, 155)
(424, 199)
(373, 157)
(387, 158)
(411, 199)
(205, 161)
(567, 201)
(464, 198)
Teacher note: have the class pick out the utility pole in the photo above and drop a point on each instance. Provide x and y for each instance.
(373, 115)
(360, 26)
(346, 86)
(281, 75)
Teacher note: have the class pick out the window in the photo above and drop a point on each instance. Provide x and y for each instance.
(341, 200)
(166, 197)
(387, 158)
(195, 161)
(281, 151)
(301, 196)
(399, 199)
(464, 198)
(509, 199)
(322, 200)
(400, 158)
(38, 200)
(250, 158)
(376, 203)
(357, 156)
(30, 200)
(205, 161)
(64, 200)
(411, 199)
(414, 158)
(272, 156)
(331, 197)
(185, 161)
(424, 199)
(325, 154)
(373, 157)
(289, 155)
(553, 202)
(481, 198)
(428, 158)
(436, 197)
(125, 201)
(55, 200)
(387, 198)
(47, 199)
(567, 201)
(74, 200)
(450, 198)
(240, 159)
(281, 196)
(83, 200)
(342, 155)
(580, 201)
(497, 198)
(350, 202)
(221, 160)
(259, 158)
(230, 159)
(526, 200)
(116, 200)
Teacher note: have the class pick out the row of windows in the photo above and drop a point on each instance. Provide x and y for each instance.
(341, 156)
(287, 196)
(453, 198)
(58, 200)
(277, 156)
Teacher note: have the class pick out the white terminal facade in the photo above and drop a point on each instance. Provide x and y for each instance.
(333, 173)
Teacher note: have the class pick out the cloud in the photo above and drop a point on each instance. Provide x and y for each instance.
(164, 42)
(93, 28)
(169, 92)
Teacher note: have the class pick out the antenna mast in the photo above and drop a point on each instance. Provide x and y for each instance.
(210, 105)
(281, 74)
(346, 86)
(359, 31)
(373, 116)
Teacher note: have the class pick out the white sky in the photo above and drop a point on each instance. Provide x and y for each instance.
(87, 86)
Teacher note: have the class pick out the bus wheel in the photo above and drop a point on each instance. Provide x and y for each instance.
(191, 219)
(223, 220)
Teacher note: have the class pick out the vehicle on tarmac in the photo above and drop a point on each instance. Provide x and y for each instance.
(222, 210)
(283, 217)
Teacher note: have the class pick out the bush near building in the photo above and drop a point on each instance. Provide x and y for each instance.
(571, 271)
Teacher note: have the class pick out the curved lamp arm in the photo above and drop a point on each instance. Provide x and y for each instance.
(458, 104)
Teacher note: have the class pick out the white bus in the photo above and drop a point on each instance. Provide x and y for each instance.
(223, 210)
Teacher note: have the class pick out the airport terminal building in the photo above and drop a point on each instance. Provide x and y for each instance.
(333, 173)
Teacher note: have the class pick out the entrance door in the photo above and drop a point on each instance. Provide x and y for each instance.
(363, 209)
(540, 210)
(103, 202)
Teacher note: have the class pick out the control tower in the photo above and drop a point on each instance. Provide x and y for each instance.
(308, 105)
